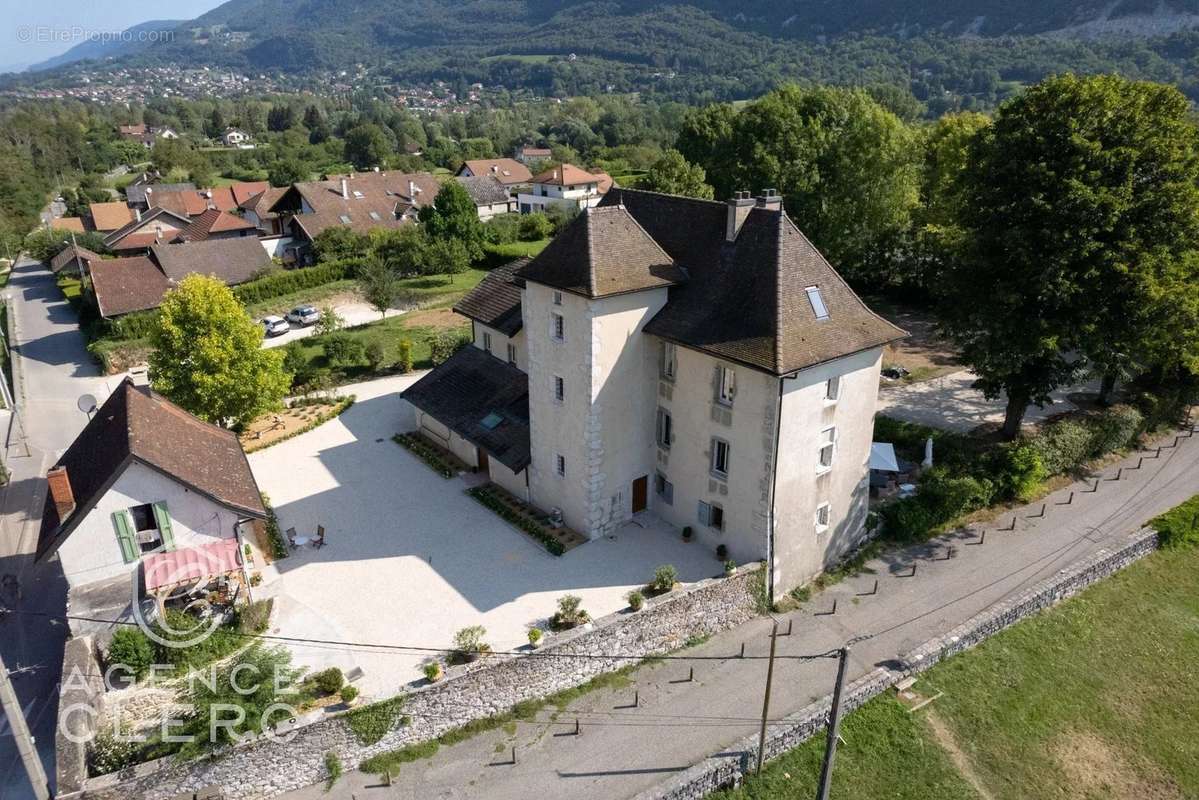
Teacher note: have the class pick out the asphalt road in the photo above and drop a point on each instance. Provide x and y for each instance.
(622, 750)
(52, 369)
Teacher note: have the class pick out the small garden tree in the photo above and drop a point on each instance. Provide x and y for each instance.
(379, 284)
(453, 217)
(208, 355)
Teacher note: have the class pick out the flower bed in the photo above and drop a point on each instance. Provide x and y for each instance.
(441, 462)
(556, 540)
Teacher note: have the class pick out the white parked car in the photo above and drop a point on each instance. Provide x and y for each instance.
(303, 316)
(275, 326)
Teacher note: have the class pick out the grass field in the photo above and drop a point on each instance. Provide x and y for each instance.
(1096, 698)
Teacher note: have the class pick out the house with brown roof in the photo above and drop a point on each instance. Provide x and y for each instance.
(72, 260)
(694, 360)
(216, 224)
(108, 217)
(144, 477)
(566, 185)
(155, 226)
(125, 285)
(528, 154)
(507, 171)
(491, 197)
(360, 202)
(73, 224)
(142, 195)
(256, 209)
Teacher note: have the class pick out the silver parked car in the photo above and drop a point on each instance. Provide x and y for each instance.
(303, 316)
(275, 326)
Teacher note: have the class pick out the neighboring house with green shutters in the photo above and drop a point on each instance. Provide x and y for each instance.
(144, 476)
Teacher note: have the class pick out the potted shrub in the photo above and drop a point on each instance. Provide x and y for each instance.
(730, 566)
(434, 671)
(722, 552)
(686, 533)
(349, 694)
(665, 577)
(535, 637)
(636, 600)
(469, 644)
(570, 613)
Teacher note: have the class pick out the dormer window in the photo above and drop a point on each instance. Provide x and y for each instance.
(817, 301)
(345, 219)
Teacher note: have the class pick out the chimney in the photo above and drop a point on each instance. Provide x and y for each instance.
(345, 189)
(738, 209)
(495, 168)
(60, 492)
(412, 190)
(770, 200)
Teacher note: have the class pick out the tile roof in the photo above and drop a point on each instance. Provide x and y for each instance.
(220, 197)
(187, 202)
(110, 216)
(125, 285)
(495, 300)
(746, 300)
(234, 260)
(136, 193)
(68, 254)
(244, 190)
(261, 203)
(468, 388)
(134, 241)
(508, 171)
(603, 252)
(178, 221)
(485, 190)
(567, 175)
(214, 221)
(74, 224)
(135, 424)
(375, 199)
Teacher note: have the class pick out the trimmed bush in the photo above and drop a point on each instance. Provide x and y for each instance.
(570, 613)
(445, 343)
(343, 350)
(535, 636)
(405, 362)
(376, 354)
(131, 648)
(349, 694)
(328, 681)
(433, 671)
(469, 640)
(636, 600)
(278, 284)
(1179, 527)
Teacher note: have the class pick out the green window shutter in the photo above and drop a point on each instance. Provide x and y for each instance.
(124, 528)
(164, 526)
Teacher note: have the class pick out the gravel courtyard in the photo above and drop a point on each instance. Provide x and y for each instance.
(410, 558)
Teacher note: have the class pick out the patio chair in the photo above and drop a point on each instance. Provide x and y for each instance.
(291, 537)
(319, 541)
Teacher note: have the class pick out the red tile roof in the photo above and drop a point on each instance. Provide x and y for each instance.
(509, 171)
(68, 224)
(110, 216)
(213, 221)
(125, 285)
(244, 190)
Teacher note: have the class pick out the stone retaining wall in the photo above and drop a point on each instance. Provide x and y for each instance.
(266, 767)
(80, 704)
(730, 768)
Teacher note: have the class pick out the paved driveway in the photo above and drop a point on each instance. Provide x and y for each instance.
(410, 559)
(352, 314)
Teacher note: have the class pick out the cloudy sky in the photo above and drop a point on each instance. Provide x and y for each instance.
(33, 31)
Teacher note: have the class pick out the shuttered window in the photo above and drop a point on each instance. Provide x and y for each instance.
(163, 518)
(123, 525)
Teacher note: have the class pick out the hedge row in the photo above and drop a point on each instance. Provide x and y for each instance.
(277, 284)
(491, 497)
(426, 452)
(972, 473)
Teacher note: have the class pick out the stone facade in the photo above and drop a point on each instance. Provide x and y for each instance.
(734, 763)
(267, 767)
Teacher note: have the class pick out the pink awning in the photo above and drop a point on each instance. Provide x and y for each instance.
(191, 564)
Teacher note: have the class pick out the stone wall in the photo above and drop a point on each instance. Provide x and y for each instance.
(267, 767)
(735, 762)
(80, 704)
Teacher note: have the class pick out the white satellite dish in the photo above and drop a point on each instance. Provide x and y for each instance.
(87, 404)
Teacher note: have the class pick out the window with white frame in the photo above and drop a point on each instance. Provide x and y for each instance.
(487, 341)
(558, 327)
(720, 458)
(560, 464)
(665, 432)
(822, 517)
(726, 385)
(828, 447)
(511, 353)
(832, 389)
(669, 360)
(559, 389)
(663, 488)
(817, 301)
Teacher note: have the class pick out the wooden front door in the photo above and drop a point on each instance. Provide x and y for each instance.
(640, 493)
(483, 463)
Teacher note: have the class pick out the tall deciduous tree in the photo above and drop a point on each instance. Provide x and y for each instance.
(453, 216)
(672, 174)
(1079, 215)
(367, 146)
(845, 166)
(379, 284)
(208, 355)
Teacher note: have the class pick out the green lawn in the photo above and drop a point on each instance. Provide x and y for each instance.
(1095, 698)
(389, 333)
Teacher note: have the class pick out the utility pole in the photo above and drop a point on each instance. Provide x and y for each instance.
(21, 735)
(834, 727)
(774, 634)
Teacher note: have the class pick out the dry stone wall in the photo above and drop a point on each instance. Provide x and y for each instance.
(265, 767)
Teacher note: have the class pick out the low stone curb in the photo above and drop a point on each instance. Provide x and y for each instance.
(729, 768)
